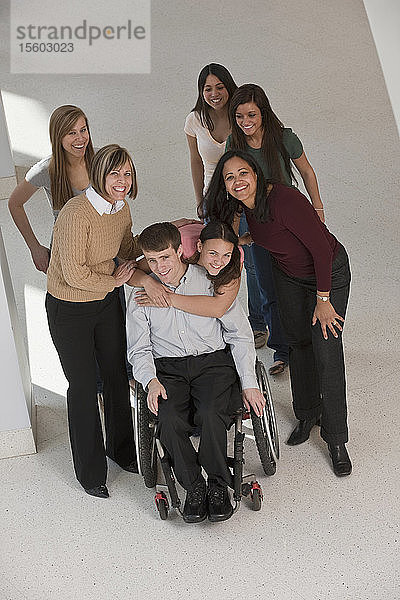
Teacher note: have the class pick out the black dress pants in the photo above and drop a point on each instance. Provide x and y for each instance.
(203, 388)
(317, 371)
(82, 332)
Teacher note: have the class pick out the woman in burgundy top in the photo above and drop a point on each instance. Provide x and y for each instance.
(312, 279)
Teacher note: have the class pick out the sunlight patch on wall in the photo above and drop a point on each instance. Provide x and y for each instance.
(45, 366)
(28, 124)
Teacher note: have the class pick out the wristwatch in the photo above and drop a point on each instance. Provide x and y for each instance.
(323, 298)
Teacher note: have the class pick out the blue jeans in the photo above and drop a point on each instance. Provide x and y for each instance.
(277, 339)
(254, 301)
(262, 302)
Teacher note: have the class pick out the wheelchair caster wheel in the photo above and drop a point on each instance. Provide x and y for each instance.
(256, 496)
(162, 505)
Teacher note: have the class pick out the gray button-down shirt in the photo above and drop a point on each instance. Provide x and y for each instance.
(161, 332)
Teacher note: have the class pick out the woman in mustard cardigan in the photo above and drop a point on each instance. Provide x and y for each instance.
(85, 316)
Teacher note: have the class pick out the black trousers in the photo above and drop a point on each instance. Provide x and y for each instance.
(317, 371)
(82, 332)
(202, 389)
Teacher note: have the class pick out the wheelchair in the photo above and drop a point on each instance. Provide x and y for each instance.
(155, 464)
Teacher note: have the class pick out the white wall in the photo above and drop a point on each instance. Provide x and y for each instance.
(6, 160)
(16, 436)
(384, 20)
(7, 171)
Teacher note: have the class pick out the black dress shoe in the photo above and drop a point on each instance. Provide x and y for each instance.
(219, 504)
(301, 432)
(100, 491)
(195, 507)
(340, 460)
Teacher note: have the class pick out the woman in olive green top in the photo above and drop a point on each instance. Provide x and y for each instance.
(257, 130)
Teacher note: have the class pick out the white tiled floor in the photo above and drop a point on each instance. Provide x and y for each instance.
(316, 537)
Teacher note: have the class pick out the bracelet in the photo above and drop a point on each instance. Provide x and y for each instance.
(319, 209)
(323, 298)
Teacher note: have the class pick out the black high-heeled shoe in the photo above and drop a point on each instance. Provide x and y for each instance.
(340, 459)
(99, 491)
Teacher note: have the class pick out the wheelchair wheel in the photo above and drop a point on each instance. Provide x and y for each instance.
(263, 447)
(146, 442)
(269, 411)
(265, 427)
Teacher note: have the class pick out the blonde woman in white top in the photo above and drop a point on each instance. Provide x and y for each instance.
(207, 126)
(62, 175)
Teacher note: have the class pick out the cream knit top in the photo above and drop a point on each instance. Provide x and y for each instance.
(84, 245)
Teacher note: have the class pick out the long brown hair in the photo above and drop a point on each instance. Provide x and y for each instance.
(201, 107)
(215, 230)
(61, 122)
(222, 206)
(272, 140)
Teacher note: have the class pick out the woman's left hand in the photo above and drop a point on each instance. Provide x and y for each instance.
(157, 293)
(325, 313)
(124, 272)
(142, 299)
(245, 239)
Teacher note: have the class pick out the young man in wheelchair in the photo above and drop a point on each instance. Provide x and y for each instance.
(189, 372)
